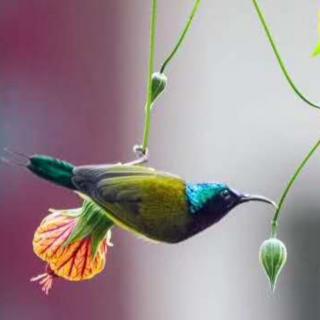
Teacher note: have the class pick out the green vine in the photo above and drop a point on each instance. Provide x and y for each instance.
(278, 56)
(182, 36)
(156, 82)
(148, 107)
(289, 186)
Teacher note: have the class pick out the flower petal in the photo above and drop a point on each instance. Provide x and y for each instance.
(53, 231)
(73, 261)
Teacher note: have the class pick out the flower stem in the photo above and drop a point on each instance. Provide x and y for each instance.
(182, 35)
(278, 56)
(148, 107)
(289, 186)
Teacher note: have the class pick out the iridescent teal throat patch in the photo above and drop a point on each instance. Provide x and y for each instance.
(199, 194)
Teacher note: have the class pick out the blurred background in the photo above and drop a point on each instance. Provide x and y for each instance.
(72, 85)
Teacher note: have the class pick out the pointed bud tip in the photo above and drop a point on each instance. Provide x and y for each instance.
(159, 82)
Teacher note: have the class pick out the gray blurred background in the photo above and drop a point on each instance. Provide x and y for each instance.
(72, 85)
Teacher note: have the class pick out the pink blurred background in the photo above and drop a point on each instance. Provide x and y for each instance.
(72, 85)
(60, 85)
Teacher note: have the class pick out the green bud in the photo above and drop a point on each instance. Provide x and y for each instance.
(273, 256)
(159, 82)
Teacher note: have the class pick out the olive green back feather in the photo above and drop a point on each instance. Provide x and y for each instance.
(139, 199)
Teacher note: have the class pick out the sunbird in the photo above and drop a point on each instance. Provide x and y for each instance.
(156, 205)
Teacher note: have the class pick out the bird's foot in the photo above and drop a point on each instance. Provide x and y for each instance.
(141, 154)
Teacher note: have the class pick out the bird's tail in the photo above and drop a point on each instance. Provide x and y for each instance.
(48, 168)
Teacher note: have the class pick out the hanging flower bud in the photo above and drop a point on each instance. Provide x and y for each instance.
(159, 82)
(273, 256)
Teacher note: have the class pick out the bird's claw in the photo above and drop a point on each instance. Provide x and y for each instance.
(140, 151)
(141, 154)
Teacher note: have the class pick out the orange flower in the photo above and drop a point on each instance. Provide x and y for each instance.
(73, 243)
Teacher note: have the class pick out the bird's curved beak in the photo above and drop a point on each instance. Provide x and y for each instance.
(249, 197)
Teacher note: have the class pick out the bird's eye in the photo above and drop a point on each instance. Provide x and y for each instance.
(225, 194)
(227, 197)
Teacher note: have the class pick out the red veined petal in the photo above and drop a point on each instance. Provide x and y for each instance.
(74, 261)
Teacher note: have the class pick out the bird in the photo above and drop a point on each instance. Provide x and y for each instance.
(149, 203)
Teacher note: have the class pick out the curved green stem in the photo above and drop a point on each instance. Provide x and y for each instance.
(182, 35)
(289, 186)
(148, 107)
(278, 56)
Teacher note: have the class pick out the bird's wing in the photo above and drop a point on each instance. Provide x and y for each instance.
(110, 171)
(139, 199)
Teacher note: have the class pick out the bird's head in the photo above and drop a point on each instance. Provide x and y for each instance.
(209, 202)
(231, 198)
